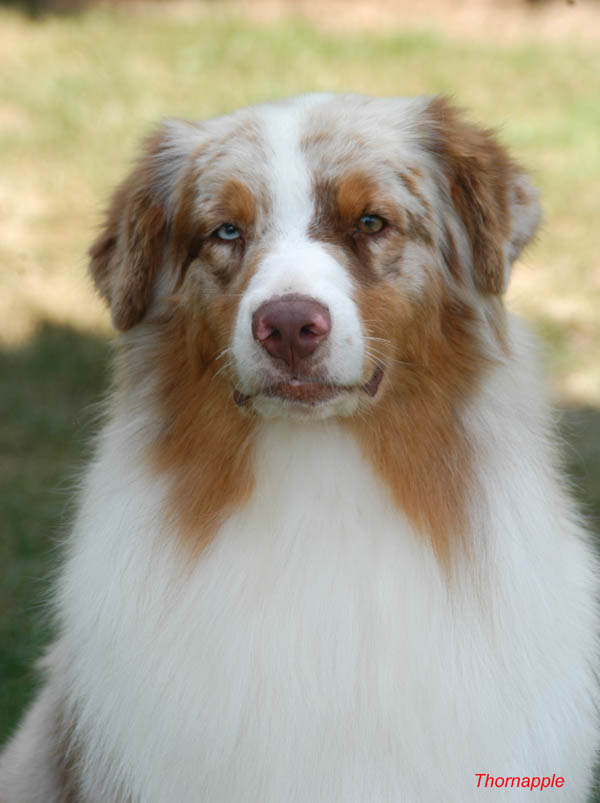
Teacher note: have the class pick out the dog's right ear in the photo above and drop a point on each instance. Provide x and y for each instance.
(126, 257)
(489, 193)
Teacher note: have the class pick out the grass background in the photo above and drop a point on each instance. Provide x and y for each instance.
(77, 92)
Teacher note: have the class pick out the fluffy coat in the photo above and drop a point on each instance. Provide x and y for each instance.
(356, 579)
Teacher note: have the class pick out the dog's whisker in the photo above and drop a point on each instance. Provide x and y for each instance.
(385, 359)
(222, 369)
(225, 351)
(378, 339)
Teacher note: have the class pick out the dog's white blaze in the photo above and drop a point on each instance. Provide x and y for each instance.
(289, 178)
(297, 264)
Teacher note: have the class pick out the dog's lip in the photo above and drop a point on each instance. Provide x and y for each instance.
(372, 386)
(305, 391)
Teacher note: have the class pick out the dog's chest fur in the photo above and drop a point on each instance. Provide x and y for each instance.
(315, 652)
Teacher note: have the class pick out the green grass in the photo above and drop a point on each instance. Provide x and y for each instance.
(77, 93)
(49, 389)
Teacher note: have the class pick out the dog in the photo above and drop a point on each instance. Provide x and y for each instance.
(324, 552)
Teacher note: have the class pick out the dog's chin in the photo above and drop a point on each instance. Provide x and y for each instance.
(306, 399)
(341, 406)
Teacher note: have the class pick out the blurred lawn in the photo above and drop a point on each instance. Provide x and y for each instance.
(76, 93)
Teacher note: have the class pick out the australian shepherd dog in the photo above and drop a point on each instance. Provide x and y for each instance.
(324, 553)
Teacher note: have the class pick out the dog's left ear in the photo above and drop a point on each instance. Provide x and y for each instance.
(492, 196)
(127, 255)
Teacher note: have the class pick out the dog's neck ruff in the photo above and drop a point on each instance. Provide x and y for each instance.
(316, 645)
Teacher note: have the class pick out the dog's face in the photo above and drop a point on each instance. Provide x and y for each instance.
(323, 251)
(328, 256)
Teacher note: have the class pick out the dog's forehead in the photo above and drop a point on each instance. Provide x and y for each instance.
(287, 144)
(330, 132)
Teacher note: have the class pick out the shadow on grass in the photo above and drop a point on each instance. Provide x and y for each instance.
(580, 429)
(40, 8)
(48, 393)
(49, 389)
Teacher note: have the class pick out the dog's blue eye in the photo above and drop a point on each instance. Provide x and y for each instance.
(228, 232)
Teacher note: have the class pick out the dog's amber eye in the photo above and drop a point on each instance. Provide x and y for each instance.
(228, 232)
(370, 224)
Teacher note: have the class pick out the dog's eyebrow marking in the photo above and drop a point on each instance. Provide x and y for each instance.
(355, 194)
(237, 202)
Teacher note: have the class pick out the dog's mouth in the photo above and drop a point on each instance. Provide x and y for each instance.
(306, 391)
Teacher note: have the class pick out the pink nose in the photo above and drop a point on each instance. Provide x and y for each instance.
(291, 327)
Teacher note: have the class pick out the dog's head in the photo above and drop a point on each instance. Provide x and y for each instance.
(322, 252)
